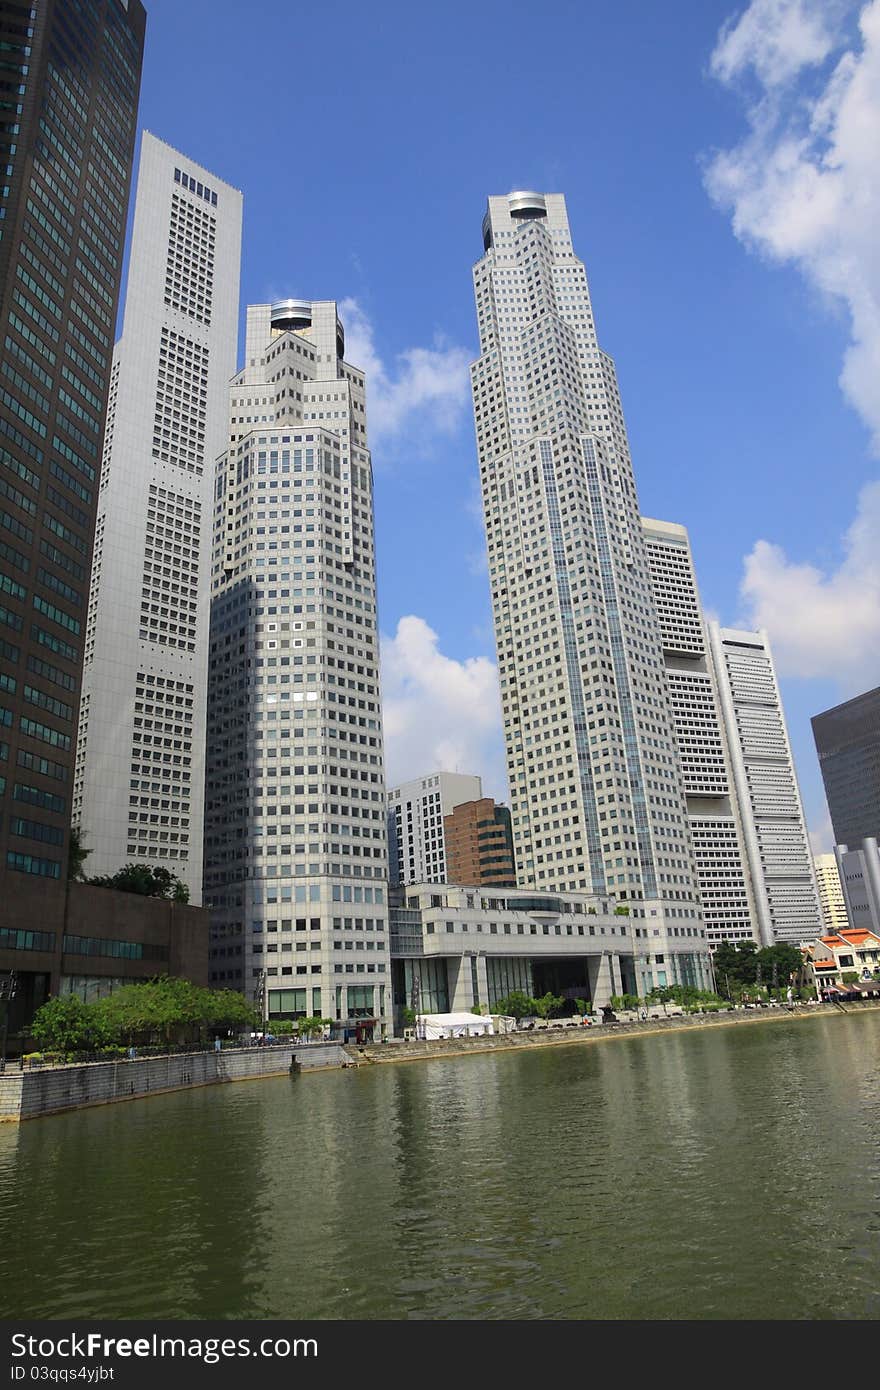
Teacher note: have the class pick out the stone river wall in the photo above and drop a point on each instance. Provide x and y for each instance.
(47, 1090)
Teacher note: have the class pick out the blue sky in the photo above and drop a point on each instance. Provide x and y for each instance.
(720, 167)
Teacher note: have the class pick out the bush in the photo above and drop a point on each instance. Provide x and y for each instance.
(625, 1001)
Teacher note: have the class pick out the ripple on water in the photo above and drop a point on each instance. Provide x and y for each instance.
(664, 1177)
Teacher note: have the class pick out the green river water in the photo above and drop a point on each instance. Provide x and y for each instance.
(728, 1173)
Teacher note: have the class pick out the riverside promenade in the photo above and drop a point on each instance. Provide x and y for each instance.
(601, 1033)
(54, 1089)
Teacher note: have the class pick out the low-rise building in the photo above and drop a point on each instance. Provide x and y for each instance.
(841, 959)
(76, 938)
(455, 948)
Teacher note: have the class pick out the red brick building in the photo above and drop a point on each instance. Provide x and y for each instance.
(479, 844)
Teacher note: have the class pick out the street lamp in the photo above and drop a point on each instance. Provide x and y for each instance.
(8, 990)
(261, 1000)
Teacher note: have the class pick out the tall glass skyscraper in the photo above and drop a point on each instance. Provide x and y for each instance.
(296, 862)
(596, 786)
(71, 77)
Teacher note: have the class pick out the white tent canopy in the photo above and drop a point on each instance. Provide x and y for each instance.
(452, 1025)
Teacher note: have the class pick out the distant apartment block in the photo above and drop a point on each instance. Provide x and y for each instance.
(848, 744)
(416, 812)
(713, 811)
(780, 863)
(831, 899)
(140, 771)
(479, 844)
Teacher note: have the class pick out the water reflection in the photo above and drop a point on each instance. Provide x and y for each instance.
(686, 1175)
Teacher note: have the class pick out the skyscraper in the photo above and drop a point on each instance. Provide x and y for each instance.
(785, 897)
(848, 744)
(596, 788)
(70, 93)
(713, 808)
(295, 840)
(139, 791)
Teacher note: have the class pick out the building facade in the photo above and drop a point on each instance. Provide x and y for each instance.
(713, 809)
(296, 862)
(597, 793)
(832, 904)
(848, 744)
(859, 870)
(416, 813)
(479, 844)
(140, 771)
(845, 960)
(780, 863)
(455, 948)
(71, 83)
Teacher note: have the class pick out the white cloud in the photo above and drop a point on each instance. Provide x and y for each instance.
(439, 713)
(822, 836)
(803, 186)
(776, 38)
(425, 388)
(822, 624)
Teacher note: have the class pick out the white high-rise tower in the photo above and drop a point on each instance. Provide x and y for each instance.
(296, 861)
(139, 789)
(785, 896)
(596, 787)
(716, 823)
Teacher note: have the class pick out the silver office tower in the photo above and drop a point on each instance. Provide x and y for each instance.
(140, 769)
(596, 787)
(295, 839)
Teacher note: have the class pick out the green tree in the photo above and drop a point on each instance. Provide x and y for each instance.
(408, 1017)
(282, 1027)
(226, 1008)
(787, 959)
(625, 1001)
(308, 1027)
(148, 882)
(77, 854)
(66, 1025)
(517, 1005)
(735, 965)
(662, 995)
(549, 1005)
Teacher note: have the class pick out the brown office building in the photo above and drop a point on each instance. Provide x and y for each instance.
(75, 938)
(479, 844)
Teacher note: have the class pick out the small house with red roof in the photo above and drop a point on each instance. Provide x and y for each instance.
(849, 952)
